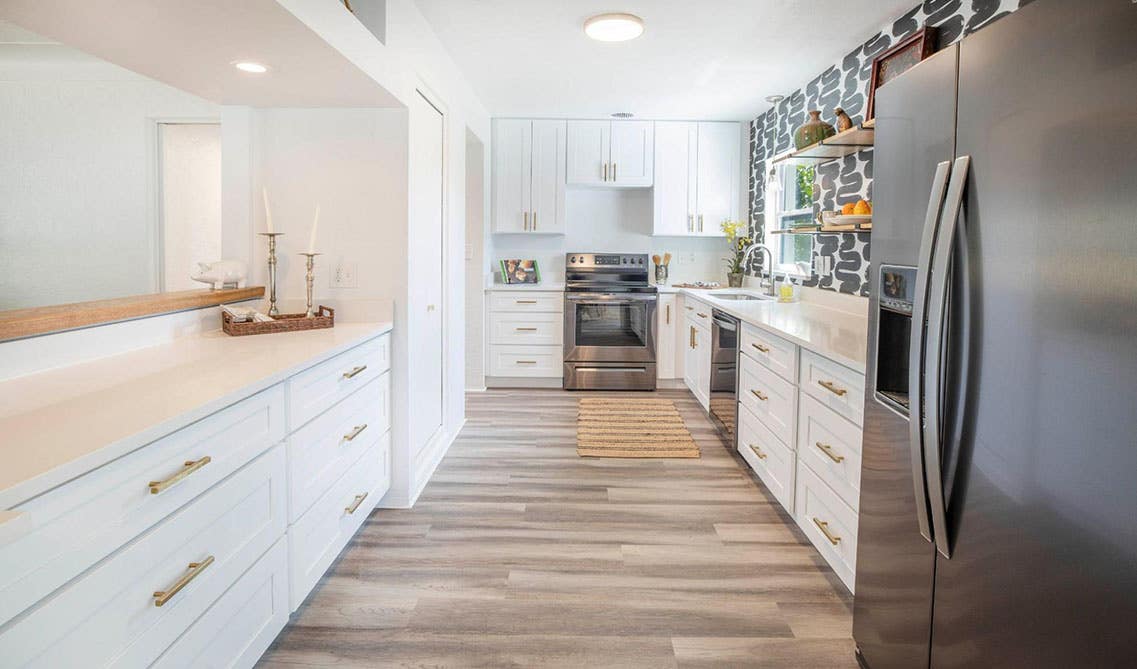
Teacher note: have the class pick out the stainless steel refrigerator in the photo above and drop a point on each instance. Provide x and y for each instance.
(1000, 529)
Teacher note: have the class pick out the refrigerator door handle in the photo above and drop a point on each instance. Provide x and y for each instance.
(916, 352)
(934, 353)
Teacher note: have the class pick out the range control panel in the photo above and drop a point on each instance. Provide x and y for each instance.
(614, 260)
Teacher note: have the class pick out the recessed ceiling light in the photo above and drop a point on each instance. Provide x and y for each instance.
(615, 27)
(250, 67)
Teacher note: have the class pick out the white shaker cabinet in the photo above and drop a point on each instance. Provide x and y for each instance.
(697, 177)
(697, 356)
(611, 153)
(665, 337)
(528, 176)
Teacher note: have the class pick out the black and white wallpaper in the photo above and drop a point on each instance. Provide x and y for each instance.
(845, 85)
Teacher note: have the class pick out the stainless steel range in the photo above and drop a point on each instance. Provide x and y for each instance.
(609, 322)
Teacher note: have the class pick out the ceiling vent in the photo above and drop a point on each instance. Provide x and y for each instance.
(623, 115)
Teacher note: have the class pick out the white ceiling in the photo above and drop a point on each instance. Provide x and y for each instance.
(715, 59)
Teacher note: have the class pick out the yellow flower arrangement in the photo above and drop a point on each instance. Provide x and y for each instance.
(735, 232)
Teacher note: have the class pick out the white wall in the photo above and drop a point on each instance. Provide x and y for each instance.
(78, 177)
(476, 208)
(617, 221)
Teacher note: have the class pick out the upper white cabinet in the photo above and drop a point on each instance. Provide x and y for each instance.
(611, 153)
(697, 177)
(528, 176)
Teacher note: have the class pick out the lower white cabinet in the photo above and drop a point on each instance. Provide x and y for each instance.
(526, 334)
(830, 523)
(697, 360)
(772, 460)
(665, 337)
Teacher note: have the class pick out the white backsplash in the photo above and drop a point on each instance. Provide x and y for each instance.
(612, 221)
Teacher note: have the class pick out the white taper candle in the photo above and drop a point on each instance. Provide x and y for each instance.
(268, 211)
(315, 224)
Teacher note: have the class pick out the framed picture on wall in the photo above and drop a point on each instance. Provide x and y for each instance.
(899, 59)
(520, 271)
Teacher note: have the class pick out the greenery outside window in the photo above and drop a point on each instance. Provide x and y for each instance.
(790, 205)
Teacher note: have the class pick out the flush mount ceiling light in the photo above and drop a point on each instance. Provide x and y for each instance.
(250, 66)
(614, 27)
(622, 115)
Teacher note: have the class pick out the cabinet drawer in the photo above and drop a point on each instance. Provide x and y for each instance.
(321, 451)
(772, 399)
(837, 387)
(697, 311)
(537, 329)
(527, 302)
(83, 521)
(111, 614)
(316, 389)
(240, 626)
(831, 445)
(771, 460)
(316, 539)
(774, 352)
(532, 361)
(830, 524)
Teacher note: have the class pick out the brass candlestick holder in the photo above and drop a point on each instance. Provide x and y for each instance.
(272, 310)
(310, 278)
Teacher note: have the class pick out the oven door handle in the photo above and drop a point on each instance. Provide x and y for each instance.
(600, 298)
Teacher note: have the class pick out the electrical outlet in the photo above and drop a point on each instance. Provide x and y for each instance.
(344, 275)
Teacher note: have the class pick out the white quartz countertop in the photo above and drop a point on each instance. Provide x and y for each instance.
(841, 336)
(62, 423)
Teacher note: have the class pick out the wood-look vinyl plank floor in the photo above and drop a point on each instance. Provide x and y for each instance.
(519, 553)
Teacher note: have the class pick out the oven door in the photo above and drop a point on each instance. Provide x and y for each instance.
(603, 327)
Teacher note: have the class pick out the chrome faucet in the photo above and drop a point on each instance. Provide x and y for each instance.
(767, 285)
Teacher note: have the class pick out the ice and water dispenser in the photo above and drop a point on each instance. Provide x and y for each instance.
(894, 334)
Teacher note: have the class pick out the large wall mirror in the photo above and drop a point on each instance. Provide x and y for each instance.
(110, 182)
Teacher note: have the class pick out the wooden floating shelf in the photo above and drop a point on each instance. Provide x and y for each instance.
(854, 139)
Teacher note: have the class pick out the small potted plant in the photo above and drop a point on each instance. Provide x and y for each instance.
(735, 232)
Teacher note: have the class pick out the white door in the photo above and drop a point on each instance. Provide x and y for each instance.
(674, 177)
(588, 152)
(547, 211)
(665, 331)
(719, 158)
(511, 148)
(426, 260)
(632, 147)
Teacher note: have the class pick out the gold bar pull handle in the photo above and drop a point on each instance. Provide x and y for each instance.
(534, 221)
(195, 569)
(355, 432)
(828, 385)
(824, 527)
(758, 452)
(188, 468)
(828, 450)
(690, 222)
(763, 349)
(759, 394)
(350, 509)
(354, 371)
(525, 301)
(605, 171)
(527, 362)
(613, 171)
(525, 221)
(700, 222)
(668, 321)
(692, 337)
(526, 329)
(700, 314)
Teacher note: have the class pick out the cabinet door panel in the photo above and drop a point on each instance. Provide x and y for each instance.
(632, 149)
(673, 194)
(588, 151)
(719, 156)
(547, 208)
(665, 337)
(512, 183)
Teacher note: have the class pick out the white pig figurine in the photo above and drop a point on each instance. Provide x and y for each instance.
(220, 273)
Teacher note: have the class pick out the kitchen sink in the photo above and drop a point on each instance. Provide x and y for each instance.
(739, 297)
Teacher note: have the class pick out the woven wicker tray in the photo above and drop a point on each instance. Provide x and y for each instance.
(325, 318)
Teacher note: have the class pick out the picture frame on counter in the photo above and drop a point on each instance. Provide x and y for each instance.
(516, 271)
(902, 57)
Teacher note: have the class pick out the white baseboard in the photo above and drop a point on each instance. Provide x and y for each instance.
(524, 382)
(432, 456)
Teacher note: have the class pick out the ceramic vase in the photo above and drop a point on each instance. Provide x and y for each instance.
(812, 131)
(734, 279)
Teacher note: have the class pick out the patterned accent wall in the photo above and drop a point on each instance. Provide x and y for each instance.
(845, 85)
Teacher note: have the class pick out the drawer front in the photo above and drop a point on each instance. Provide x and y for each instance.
(697, 311)
(772, 399)
(237, 630)
(830, 524)
(831, 445)
(530, 361)
(110, 614)
(81, 522)
(317, 538)
(527, 302)
(837, 387)
(775, 353)
(316, 389)
(320, 452)
(537, 329)
(771, 460)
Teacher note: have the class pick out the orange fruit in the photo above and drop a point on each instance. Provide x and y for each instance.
(862, 208)
(848, 209)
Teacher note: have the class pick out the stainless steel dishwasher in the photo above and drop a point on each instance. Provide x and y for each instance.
(724, 374)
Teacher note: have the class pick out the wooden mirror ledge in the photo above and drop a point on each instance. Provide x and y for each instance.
(19, 323)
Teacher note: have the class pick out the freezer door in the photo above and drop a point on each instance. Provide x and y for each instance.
(1040, 468)
(893, 607)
